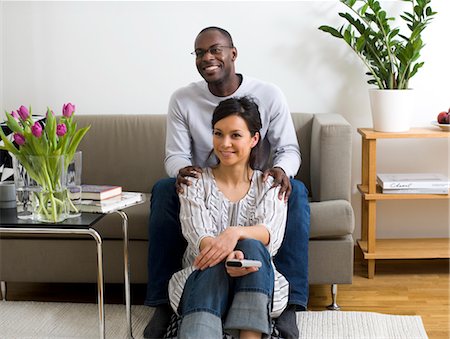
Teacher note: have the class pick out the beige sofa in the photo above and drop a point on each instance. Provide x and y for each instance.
(128, 150)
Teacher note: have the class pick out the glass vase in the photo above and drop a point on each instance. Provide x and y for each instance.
(46, 187)
(74, 168)
(24, 185)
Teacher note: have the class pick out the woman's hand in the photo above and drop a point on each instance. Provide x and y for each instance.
(215, 250)
(239, 271)
(189, 171)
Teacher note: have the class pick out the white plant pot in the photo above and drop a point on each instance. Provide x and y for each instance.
(391, 109)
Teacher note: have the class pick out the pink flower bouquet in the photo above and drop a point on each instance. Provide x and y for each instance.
(45, 150)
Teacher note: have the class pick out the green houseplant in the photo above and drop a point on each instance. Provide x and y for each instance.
(392, 58)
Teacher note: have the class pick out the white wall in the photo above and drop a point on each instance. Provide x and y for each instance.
(128, 57)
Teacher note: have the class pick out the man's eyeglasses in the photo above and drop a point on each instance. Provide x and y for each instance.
(214, 50)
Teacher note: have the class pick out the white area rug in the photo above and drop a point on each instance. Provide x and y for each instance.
(359, 325)
(72, 320)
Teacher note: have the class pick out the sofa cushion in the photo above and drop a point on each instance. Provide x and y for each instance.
(330, 158)
(331, 219)
(123, 150)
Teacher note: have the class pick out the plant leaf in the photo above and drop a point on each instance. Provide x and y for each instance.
(334, 32)
(360, 42)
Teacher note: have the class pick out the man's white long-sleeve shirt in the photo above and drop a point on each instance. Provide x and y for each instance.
(189, 130)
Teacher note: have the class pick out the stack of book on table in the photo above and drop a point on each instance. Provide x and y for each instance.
(413, 183)
(105, 198)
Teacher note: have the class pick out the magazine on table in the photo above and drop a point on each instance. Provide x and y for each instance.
(112, 204)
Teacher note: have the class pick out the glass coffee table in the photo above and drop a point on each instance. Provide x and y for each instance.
(82, 225)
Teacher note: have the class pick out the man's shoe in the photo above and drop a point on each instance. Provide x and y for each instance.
(286, 323)
(300, 308)
(157, 326)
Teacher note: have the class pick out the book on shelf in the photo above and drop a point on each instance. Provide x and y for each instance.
(118, 202)
(416, 191)
(403, 181)
(99, 192)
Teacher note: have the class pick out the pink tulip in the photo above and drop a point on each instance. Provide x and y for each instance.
(15, 115)
(23, 112)
(61, 129)
(36, 129)
(19, 139)
(68, 110)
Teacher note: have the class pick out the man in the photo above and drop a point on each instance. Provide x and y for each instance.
(188, 149)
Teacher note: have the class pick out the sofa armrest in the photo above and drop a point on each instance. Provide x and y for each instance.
(331, 156)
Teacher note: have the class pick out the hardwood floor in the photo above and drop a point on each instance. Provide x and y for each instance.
(404, 287)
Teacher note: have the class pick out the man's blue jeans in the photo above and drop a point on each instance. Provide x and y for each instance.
(212, 296)
(167, 245)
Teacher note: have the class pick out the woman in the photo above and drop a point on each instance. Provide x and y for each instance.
(229, 212)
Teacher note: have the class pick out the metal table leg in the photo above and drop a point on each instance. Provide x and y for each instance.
(100, 283)
(3, 289)
(126, 264)
(86, 231)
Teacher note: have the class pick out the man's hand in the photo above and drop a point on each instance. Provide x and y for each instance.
(215, 250)
(189, 171)
(280, 178)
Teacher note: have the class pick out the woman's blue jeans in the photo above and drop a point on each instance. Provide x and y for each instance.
(167, 245)
(212, 296)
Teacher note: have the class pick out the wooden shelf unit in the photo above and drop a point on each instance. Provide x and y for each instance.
(372, 248)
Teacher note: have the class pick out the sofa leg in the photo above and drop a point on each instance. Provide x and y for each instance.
(334, 306)
(3, 289)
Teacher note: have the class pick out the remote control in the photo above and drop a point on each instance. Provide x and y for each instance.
(243, 263)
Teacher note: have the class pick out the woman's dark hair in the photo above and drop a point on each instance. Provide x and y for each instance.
(247, 109)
